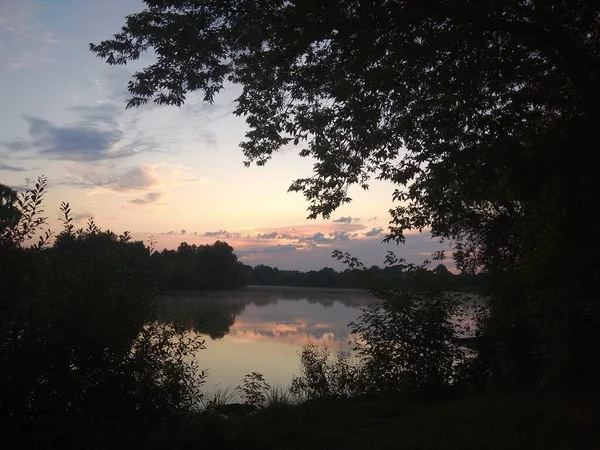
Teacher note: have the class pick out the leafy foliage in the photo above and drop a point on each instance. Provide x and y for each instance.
(484, 115)
(408, 341)
(254, 389)
(325, 376)
(198, 267)
(78, 337)
(9, 213)
(21, 216)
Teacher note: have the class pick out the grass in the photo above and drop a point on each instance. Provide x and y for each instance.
(562, 420)
(558, 420)
(278, 396)
(220, 397)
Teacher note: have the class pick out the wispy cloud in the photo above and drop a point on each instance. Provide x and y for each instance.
(329, 238)
(151, 178)
(8, 168)
(374, 232)
(272, 235)
(19, 188)
(26, 40)
(19, 18)
(82, 217)
(150, 197)
(269, 250)
(221, 234)
(22, 61)
(299, 239)
(96, 136)
(316, 238)
(347, 219)
(135, 179)
(178, 126)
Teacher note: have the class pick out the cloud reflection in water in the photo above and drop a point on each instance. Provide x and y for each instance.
(263, 329)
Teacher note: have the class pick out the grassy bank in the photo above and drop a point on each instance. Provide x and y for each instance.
(543, 420)
(559, 420)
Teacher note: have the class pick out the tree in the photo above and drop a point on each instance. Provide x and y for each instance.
(484, 114)
(9, 213)
(79, 340)
(199, 267)
(405, 90)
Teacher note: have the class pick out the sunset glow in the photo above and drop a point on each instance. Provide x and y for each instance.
(175, 174)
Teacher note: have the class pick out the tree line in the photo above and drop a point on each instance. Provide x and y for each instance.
(424, 278)
(216, 267)
(198, 267)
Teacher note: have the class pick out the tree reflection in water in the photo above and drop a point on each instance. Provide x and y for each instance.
(214, 313)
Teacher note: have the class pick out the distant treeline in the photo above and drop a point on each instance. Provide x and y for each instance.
(202, 267)
(199, 267)
(263, 275)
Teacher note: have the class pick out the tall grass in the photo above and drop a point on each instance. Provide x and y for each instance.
(258, 397)
(219, 397)
(278, 396)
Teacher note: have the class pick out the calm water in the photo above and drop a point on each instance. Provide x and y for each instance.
(263, 329)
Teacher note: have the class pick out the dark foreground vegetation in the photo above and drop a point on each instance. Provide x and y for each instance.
(483, 114)
(520, 420)
(86, 365)
(79, 344)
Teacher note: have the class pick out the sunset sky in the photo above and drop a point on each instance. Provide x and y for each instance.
(177, 174)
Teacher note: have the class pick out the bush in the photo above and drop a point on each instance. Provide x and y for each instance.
(326, 376)
(254, 390)
(407, 341)
(78, 337)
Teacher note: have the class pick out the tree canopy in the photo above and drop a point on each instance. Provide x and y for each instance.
(457, 100)
(484, 114)
(198, 267)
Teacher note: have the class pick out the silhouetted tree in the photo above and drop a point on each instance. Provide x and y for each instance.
(79, 342)
(485, 115)
(263, 275)
(199, 267)
(9, 213)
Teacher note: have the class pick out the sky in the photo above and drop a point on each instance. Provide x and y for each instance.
(173, 173)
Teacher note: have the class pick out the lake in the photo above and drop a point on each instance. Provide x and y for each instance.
(263, 329)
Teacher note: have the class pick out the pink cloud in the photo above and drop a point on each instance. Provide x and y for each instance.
(307, 247)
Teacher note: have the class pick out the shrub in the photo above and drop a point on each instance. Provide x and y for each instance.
(326, 376)
(254, 389)
(407, 341)
(78, 337)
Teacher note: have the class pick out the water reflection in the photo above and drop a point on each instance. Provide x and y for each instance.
(263, 329)
(270, 312)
